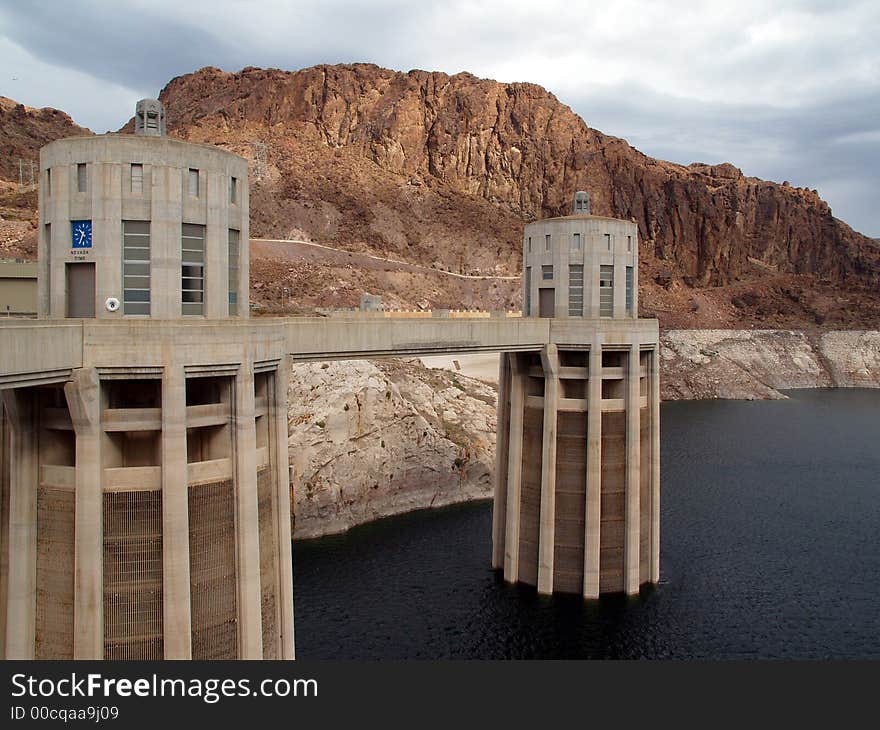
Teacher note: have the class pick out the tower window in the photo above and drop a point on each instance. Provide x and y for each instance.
(607, 241)
(547, 242)
(48, 182)
(47, 248)
(530, 244)
(576, 291)
(629, 243)
(233, 190)
(629, 289)
(528, 302)
(194, 182)
(547, 272)
(192, 269)
(135, 267)
(234, 253)
(81, 178)
(137, 178)
(606, 291)
(576, 242)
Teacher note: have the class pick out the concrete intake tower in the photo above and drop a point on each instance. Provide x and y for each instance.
(577, 495)
(145, 493)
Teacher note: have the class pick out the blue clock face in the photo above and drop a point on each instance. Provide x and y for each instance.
(81, 234)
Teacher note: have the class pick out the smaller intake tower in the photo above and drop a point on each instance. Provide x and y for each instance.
(577, 498)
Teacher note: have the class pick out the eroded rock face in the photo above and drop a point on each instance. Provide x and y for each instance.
(371, 439)
(754, 364)
(853, 358)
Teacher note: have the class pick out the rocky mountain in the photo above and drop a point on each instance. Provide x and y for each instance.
(514, 146)
(23, 130)
(442, 171)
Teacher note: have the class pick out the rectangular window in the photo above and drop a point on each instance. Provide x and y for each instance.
(606, 291)
(194, 182)
(81, 178)
(234, 237)
(547, 242)
(629, 243)
(192, 269)
(530, 244)
(528, 302)
(629, 289)
(546, 272)
(576, 242)
(48, 182)
(136, 267)
(47, 249)
(607, 241)
(576, 291)
(137, 178)
(233, 190)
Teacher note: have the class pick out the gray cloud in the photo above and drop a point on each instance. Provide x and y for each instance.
(785, 90)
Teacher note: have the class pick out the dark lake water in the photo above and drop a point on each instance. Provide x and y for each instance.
(770, 548)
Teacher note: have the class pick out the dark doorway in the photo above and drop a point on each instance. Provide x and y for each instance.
(547, 302)
(80, 290)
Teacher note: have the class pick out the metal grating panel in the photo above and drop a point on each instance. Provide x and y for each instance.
(212, 571)
(268, 563)
(133, 575)
(613, 509)
(530, 495)
(54, 609)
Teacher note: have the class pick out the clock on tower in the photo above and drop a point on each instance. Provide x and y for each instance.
(81, 234)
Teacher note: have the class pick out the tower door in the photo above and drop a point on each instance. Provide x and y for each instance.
(80, 290)
(547, 302)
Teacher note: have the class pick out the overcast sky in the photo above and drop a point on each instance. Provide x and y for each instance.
(784, 89)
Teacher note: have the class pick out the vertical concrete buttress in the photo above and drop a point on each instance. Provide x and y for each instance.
(547, 534)
(285, 564)
(22, 576)
(83, 393)
(654, 405)
(499, 511)
(632, 522)
(247, 526)
(514, 470)
(177, 606)
(593, 501)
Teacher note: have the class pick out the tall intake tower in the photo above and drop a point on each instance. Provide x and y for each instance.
(577, 497)
(145, 491)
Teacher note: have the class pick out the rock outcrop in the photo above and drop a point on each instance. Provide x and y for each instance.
(851, 358)
(754, 364)
(371, 439)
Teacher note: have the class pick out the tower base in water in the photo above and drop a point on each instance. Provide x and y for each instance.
(577, 491)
